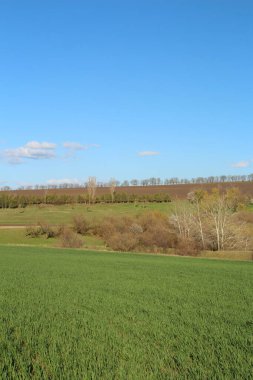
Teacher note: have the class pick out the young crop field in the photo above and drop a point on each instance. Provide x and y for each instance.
(68, 314)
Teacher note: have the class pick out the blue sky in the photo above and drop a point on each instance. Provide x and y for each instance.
(125, 89)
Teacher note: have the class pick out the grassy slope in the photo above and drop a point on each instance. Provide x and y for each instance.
(68, 314)
(17, 236)
(250, 207)
(64, 214)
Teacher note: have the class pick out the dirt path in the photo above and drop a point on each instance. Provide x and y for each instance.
(5, 227)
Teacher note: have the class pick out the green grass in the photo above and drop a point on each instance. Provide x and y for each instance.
(250, 207)
(228, 255)
(64, 214)
(17, 236)
(67, 314)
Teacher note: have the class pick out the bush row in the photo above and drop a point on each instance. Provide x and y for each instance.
(199, 225)
(14, 201)
(156, 232)
(150, 232)
(67, 237)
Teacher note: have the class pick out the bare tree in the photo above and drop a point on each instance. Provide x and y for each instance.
(134, 182)
(112, 185)
(92, 187)
(217, 211)
(218, 215)
(209, 219)
(182, 219)
(196, 199)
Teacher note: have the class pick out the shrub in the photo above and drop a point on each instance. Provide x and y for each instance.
(187, 247)
(245, 216)
(106, 228)
(149, 232)
(153, 219)
(70, 239)
(136, 229)
(158, 237)
(122, 242)
(33, 231)
(112, 225)
(157, 232)
(123, 223)
(60, 229)
(48, 230)
(81, 225)
(52, 232)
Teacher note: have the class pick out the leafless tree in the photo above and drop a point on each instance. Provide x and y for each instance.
(112, 185)
(209, 219)
(196, 199)
(182, 219)
(92, 187)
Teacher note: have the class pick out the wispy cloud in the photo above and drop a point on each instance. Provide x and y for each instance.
(241, 164)
(68, 181)
(31, 150)
(148, 153)
(73, 147)
(40, 145)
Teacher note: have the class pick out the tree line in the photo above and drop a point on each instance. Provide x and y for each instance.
(9, 200)
(152, 181)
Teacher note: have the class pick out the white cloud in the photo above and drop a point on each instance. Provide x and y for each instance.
(42, 145)
(148, 153)
(241, 164)
(78, 146)
(36, 150)
(74, 181)
(32, 150)
(73, 147)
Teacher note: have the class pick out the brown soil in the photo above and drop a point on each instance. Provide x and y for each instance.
(175, 191)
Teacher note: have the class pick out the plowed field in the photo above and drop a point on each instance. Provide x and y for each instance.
(175, 191)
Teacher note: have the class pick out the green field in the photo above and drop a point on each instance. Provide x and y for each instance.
(64, 214)
(69, 314)
(17, 236)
